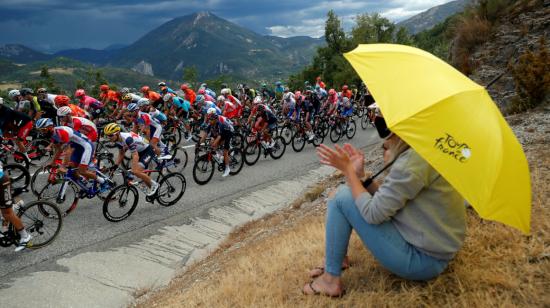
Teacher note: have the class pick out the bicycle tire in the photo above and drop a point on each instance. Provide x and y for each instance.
(252, 153)
(351, 129)
(335, 133)
(278, 148)
(50, 212)
(298, 142)
(162, 191)
(201, 165)
(18, 174)
(365, 122)
(51, 190)
(236, 160)
(109, 207)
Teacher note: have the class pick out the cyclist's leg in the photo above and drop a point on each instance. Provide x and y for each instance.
(6, 203)
(139, 162)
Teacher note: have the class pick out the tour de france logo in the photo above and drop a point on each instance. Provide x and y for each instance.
(450, 146)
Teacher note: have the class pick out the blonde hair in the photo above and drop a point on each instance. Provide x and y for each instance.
(393, 146)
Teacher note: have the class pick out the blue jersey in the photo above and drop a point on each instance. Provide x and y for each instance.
(181, 103)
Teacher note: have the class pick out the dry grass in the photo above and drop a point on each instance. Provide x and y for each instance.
(6, 86)
(57, 70)
(265, 264)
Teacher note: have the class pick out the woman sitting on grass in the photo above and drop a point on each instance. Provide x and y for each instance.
(413, 223)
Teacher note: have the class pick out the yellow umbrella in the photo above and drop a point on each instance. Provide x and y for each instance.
(452, 123)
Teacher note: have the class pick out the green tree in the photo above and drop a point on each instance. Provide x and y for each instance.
(191, 75)
(402, 37)
(372, 28)
(334, 33)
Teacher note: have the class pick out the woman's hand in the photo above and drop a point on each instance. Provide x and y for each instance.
(337, 158)
(357, 158)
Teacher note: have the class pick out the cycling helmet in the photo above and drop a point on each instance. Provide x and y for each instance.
(344, 87)
(211, 111)
(184, 87)
(260, 108)
(145, 89)
(212, 116)
(204, 85)
(201, 91)
(104, 88)
(162, 84)
(63, 111)
(127, 97)
(278, 83)
(111, 129)
(132, 107)
(221, 98)
(143, 102)
(41, 91)
(13, 93)
(286, 89)
(331, 92)
(257, 100)
(199, 98)
(225, 91)
(79, 93)
(62, 100)
(60, 135)
(124, 90)
(43, 123)
(167, 97)
(26, 91)
(264, 85)
(287, 96)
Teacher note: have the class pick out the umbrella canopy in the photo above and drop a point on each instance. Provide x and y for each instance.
(452, 123)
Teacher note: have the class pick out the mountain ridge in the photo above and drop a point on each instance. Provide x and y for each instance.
(431, 17)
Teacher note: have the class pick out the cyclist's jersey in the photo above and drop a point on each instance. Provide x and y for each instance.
(148, 120)
(10, 117)
(47, 105)
(269, 117)
(152, 96)
(210, 93)
(320, 84)
(208, 105)
(88, 102)
(132, 142)
(230, 110)
(85, 127)
(208, 98)
(347, 94)
(181, 103)
(167, 90)
(223, 125)
(22, 105)
(158, 115)
(77, 111)
(255, 109)
(135, 98)
(321, 93)
(110, 96)
(190, 96)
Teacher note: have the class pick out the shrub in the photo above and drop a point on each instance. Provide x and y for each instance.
(470, 31)
(532, 78)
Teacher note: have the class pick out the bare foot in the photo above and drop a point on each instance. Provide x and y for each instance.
(319, 270)
(325, 284)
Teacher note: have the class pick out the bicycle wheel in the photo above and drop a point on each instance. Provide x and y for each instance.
(67, 203)
(171, 189)
(19, 175)
(43, 220)
(36, 149)
(19, 158)
(252, 153)
(298, 141)
(179, 160)
(203, 169)
(335, 133)
(360, 111)
(365, 122)
(120, 203)
(40, 179)
(278, 148)
(287, 133)
(319, 138)
(236, 160)
(351, 128)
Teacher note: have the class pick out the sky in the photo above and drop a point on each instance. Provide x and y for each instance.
(52, 25)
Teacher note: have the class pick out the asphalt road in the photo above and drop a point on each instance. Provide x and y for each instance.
(85, 229)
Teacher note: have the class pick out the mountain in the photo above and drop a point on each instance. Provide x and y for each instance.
(433, 16)
(214, 46)
(21, 54)
(89, 55)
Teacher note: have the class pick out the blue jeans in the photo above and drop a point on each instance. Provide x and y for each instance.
(384, 241)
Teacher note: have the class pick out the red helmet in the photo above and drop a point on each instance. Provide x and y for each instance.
(62, 100)
(104, 88)
(331, 92)
(344, 87)
(202, 91)
(318, 78)
(184, 87)
(79, 93)
(145, 89)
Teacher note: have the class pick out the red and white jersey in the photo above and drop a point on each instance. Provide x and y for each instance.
(147, 120)
(230, 110)
(85, 127)
(65, 134)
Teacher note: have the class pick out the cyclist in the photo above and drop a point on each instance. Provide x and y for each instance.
(287, 101)
(205, 95)
(266, 93)
(47, 103)
(134, 98)
(279, 89)
(331, 103)
(109, 98)
(266, 122)
(142, 153)
(188, 93)
(208, 91)
(164, 89)
(154, 98)
(221, 130)
(180, 108)
(6, 204)
(80, 124)
(346, 92)
(150, 126)
(319, 82)
(88, 103)
(15, 123)
(63, 100)
(81, 154)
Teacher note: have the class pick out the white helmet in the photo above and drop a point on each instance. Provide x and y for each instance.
(257, 100)
(167, 97)
(211, 110)
(63, 111)
(225, 91)
(124, 91)
(287, 96)
(13, 93)
(221, 98)
(143, 102)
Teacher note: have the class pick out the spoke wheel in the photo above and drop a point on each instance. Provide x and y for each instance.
(171, 189)
(236, 160)
(278, 148)
(43, 220)
(351, 128)
(19, 176)
(120, 203)
(203, 169)
(252, 153)
(298, 141)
